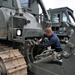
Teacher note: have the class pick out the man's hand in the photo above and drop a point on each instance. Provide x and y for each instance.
(36, 43)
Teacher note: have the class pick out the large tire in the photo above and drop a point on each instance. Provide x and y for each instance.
(2, 68)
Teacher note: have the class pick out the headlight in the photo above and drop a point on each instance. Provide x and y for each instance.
(19, 32)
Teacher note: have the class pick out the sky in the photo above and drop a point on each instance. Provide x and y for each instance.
(59, 3)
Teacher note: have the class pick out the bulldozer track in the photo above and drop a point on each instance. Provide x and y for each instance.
(12, 61)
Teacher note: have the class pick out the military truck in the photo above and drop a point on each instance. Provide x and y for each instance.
(59, 18)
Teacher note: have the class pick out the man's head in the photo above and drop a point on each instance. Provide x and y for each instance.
(48, 31)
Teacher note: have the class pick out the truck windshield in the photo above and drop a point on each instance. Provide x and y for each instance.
(56, 18)
(24, 3)
(65, 19)
(71, 17)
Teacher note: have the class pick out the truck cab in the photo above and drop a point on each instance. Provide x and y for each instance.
(60, 18)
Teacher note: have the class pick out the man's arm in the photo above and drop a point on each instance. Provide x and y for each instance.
(47, 44)
(40, 39)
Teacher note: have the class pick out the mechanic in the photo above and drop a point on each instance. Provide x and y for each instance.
(53, 41)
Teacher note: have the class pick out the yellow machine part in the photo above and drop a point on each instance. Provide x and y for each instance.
(13, 62)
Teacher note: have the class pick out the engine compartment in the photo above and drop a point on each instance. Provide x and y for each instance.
(37, 54)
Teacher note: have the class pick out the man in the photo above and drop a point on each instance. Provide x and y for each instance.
(53, 41)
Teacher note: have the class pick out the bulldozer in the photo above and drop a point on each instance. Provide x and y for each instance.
(18, 24)
(59, 18)
(19, 30)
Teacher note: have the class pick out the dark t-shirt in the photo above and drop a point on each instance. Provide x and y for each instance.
(54, 42)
